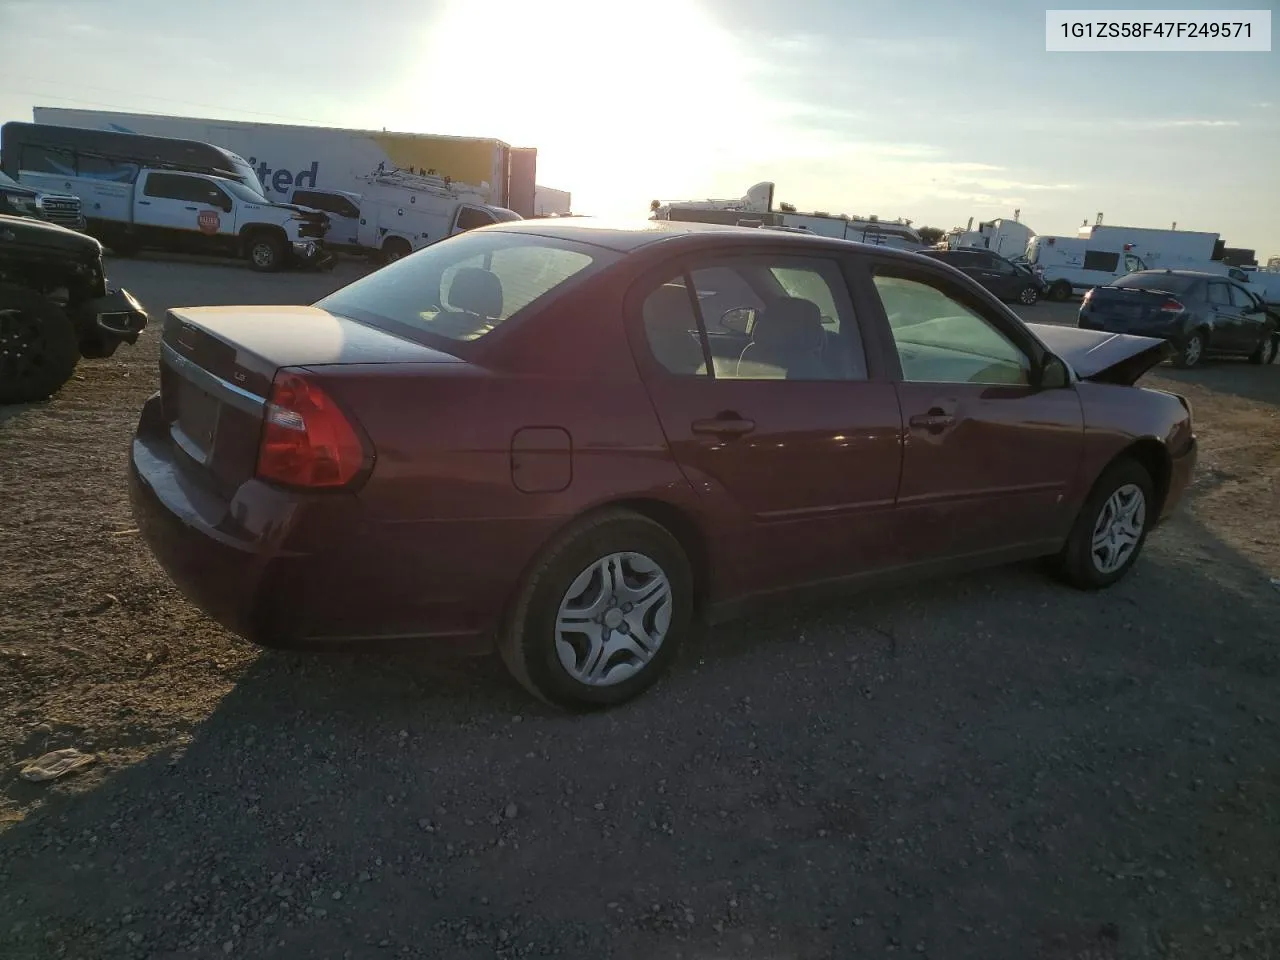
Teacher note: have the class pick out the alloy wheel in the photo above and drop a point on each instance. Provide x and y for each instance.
(613, 619)
(1192, 351)
(1118, 529)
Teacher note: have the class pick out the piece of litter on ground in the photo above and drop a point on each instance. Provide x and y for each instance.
(121, 533)
(57, 763)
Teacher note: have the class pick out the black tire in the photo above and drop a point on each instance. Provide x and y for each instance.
(38, 348)
(1028, 295)
(529, 641)
(1076, 564)
(396, 248)
(1059, 291)
(265, 252)
(1191, 350)
(1267, 349)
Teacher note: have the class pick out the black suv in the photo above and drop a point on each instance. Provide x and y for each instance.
(55, 307)
(1011, 282)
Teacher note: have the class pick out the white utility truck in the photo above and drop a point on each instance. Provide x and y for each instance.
(159, 193)
(396, 212)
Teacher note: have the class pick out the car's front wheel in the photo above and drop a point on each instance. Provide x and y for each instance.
(1111, 529)
(601, 614)
(1028, 295)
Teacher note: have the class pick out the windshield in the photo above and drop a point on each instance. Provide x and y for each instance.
(239, 190)
(465, 287)
(250, 177)
(1159, 282)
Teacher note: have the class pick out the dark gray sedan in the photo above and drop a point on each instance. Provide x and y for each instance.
(1201, 314)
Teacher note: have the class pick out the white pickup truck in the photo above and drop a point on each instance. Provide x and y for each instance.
(194, 213)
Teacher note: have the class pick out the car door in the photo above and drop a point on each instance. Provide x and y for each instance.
(1254, 324)
(1226, 334)
(469, 218)
(989, 459)
(159, 206)
(344, 215)
(1001, 277)
(788, 429)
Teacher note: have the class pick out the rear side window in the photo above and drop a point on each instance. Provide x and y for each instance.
(1101, 260)
(1218, 294)
(465, 287)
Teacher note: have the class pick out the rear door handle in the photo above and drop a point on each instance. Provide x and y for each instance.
(189, 208)
(935, 421)
(726, 426)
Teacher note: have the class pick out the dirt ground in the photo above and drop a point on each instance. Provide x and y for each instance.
(988, 767)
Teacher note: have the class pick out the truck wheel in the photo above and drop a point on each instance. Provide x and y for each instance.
(1060, 291)
(396, 248)
(38, 350)
(265, 252)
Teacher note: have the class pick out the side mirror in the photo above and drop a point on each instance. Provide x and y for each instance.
(1052, 374)
(738, 320)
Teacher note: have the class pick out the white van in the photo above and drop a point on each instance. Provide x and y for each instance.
(1070, 265)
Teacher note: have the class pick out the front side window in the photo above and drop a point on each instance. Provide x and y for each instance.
(1132, 263)
(1240, 297)
(940, 339)
(465, 287)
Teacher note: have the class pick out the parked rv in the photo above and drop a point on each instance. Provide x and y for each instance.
(143, 192)
(1007, 238)
(756, 208)
(1157, 248)
(396, 213)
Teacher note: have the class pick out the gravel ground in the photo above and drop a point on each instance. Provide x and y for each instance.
(988, 767)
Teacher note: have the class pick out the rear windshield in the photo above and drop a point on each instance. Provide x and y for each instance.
(466, 286)
(1161, 282)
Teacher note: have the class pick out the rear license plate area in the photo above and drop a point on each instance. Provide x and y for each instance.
(197, 423)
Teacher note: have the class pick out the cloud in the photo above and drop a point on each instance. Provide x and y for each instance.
(1167, 124)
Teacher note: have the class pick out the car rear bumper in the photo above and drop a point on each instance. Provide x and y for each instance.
(288, 570)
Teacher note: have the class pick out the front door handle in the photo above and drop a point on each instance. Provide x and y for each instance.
(935, 421)
(144, 203)
(724, 426)
(189, 208)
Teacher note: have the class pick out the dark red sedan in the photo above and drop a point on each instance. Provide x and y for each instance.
(567, 440)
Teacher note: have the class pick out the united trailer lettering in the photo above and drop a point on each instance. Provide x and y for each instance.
(1189, 29)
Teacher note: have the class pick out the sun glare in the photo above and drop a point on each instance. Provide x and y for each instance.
(622, 101)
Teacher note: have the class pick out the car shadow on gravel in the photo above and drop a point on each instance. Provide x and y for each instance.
(992, 766)
(1231, 377)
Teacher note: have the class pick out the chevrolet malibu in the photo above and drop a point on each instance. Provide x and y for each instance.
(570, 441)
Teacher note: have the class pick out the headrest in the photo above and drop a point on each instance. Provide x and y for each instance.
(789, 323)
(476, 291)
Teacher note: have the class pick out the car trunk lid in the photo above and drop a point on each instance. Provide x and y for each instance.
(217, 365)
(1133, 305)
(1103, 357)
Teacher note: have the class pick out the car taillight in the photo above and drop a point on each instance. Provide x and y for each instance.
(1172, 306)
(307, 441)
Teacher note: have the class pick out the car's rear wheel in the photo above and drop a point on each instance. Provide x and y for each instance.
(1060, 291)
(1266, 352)
(396, 248)
(38, 348)
(1111, 529)
(1191, 351)
(1028, 295)
(602, 613)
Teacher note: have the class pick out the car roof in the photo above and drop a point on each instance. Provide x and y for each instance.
(626, 236)
(1197, 274)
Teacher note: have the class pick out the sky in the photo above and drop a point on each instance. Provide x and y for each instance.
(935, 110)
